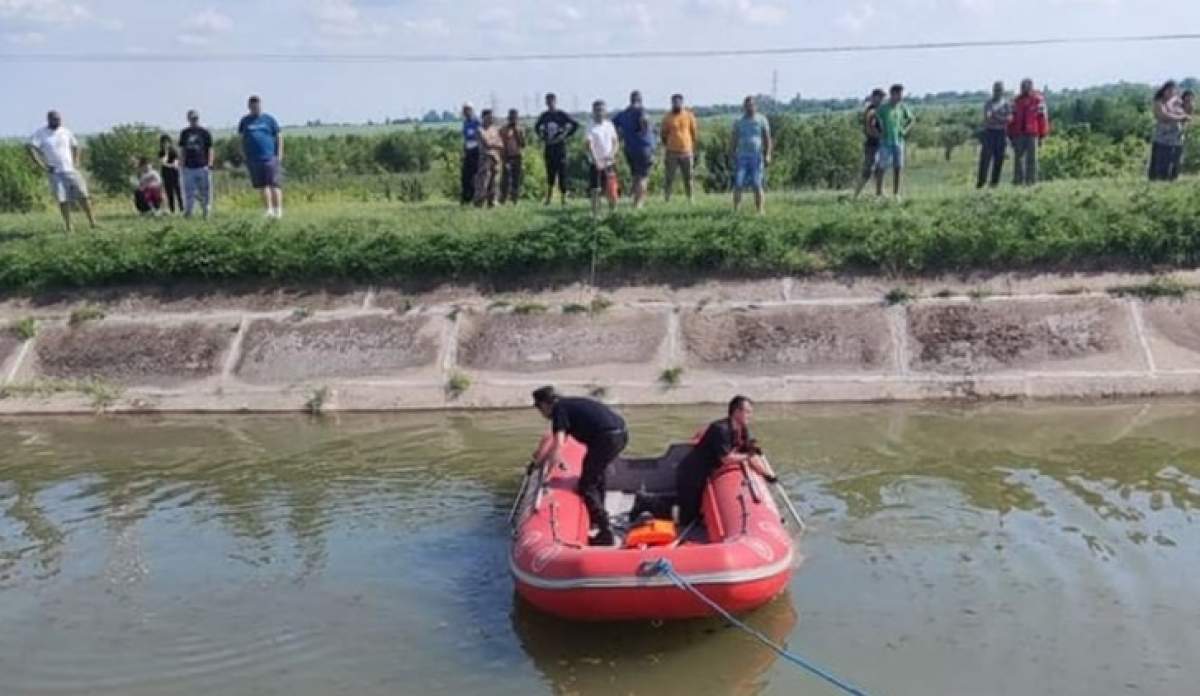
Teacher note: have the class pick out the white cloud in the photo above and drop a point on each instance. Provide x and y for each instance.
(26, 38)
(857, 18)
(210, 22)
(44, 11)
(435, 27)
(745, 11)
(342, 19)
(638, 14)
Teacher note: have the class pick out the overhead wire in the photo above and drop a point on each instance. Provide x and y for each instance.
(426, 58)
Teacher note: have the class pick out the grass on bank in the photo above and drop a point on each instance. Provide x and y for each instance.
(1070, 225)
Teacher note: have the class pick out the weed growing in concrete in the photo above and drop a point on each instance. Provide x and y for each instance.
(315, 405)
(25, 329)
(979, 294)
(1159, 288)
(457, 385)
(898, 296)
(526, 308)
(943, 294)
(454, 312)
(102, 394)
(574, 308)
(301, 313)
(85, 314)
(671, 377)
(1074, 290)
(600, 304)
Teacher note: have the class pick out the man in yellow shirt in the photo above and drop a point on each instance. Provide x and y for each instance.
(679, 137)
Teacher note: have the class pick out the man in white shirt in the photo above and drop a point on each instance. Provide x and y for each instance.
(56, 151)
(602, 144)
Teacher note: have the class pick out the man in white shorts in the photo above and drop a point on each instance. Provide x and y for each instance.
(56, 151)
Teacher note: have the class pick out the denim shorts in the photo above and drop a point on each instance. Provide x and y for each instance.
(264, 174)
(67, 186)
(748, 172)
(891, 156)
(640, 162)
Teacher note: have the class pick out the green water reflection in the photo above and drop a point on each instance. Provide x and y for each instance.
(994, 550)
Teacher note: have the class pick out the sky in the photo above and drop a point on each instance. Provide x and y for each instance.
(96, 95)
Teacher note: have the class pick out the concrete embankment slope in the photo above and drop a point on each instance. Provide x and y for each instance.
(778, 340)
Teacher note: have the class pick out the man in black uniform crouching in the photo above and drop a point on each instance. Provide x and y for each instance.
(598, 428)
(722, 438)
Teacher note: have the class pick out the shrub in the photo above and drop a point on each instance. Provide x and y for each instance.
(112, 157)
(22, 190)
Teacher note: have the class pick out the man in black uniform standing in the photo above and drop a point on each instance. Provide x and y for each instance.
(725, 437)
(554, 128)
(598, 428)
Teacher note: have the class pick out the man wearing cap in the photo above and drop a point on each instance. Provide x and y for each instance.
(196, 144)
(262, 144)
(601, 431)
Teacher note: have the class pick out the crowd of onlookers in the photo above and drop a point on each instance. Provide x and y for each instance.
(492, 167)
(492, 161)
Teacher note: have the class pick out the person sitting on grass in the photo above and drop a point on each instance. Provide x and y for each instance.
(602, 142)
(148, 198)
(895, 123)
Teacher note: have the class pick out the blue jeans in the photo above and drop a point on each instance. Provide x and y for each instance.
(991, 156)
(197, 186)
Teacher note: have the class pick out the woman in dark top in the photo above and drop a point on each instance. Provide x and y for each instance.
(168, 157)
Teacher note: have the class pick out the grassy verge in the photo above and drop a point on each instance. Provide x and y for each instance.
(1077, 225)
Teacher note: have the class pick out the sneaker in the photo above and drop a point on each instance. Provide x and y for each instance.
(604, 538)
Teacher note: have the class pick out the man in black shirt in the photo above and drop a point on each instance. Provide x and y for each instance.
(196, 145)
(554, 128)
(723, 438)
(598, 428)
(871, 134)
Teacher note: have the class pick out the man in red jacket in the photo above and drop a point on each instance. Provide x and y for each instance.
(1029, 127)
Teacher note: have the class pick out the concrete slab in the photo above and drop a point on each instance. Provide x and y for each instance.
(1173, 333)
(789, 340)
(363, 346)
(185, 298)
(1079, 334)
(547, 342)
(9, 342)
(132, 353)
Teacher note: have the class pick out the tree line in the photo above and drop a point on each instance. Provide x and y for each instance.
(1098, 132)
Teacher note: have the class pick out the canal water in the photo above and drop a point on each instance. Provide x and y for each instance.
(1002, 549)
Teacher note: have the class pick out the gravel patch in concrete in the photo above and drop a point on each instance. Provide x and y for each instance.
(133, 354)
(1004, 335)
(790, 340)
(535, 343)
(366, 346)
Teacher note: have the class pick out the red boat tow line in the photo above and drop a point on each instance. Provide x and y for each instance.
(664, 567)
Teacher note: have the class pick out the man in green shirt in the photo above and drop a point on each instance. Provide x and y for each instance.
(895, 122)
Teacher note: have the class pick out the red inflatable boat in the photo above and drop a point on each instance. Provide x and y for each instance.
(740, 557)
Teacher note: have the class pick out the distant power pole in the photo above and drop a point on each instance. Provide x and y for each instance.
(775, 86)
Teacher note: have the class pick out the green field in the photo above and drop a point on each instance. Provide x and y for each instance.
(943, 225)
